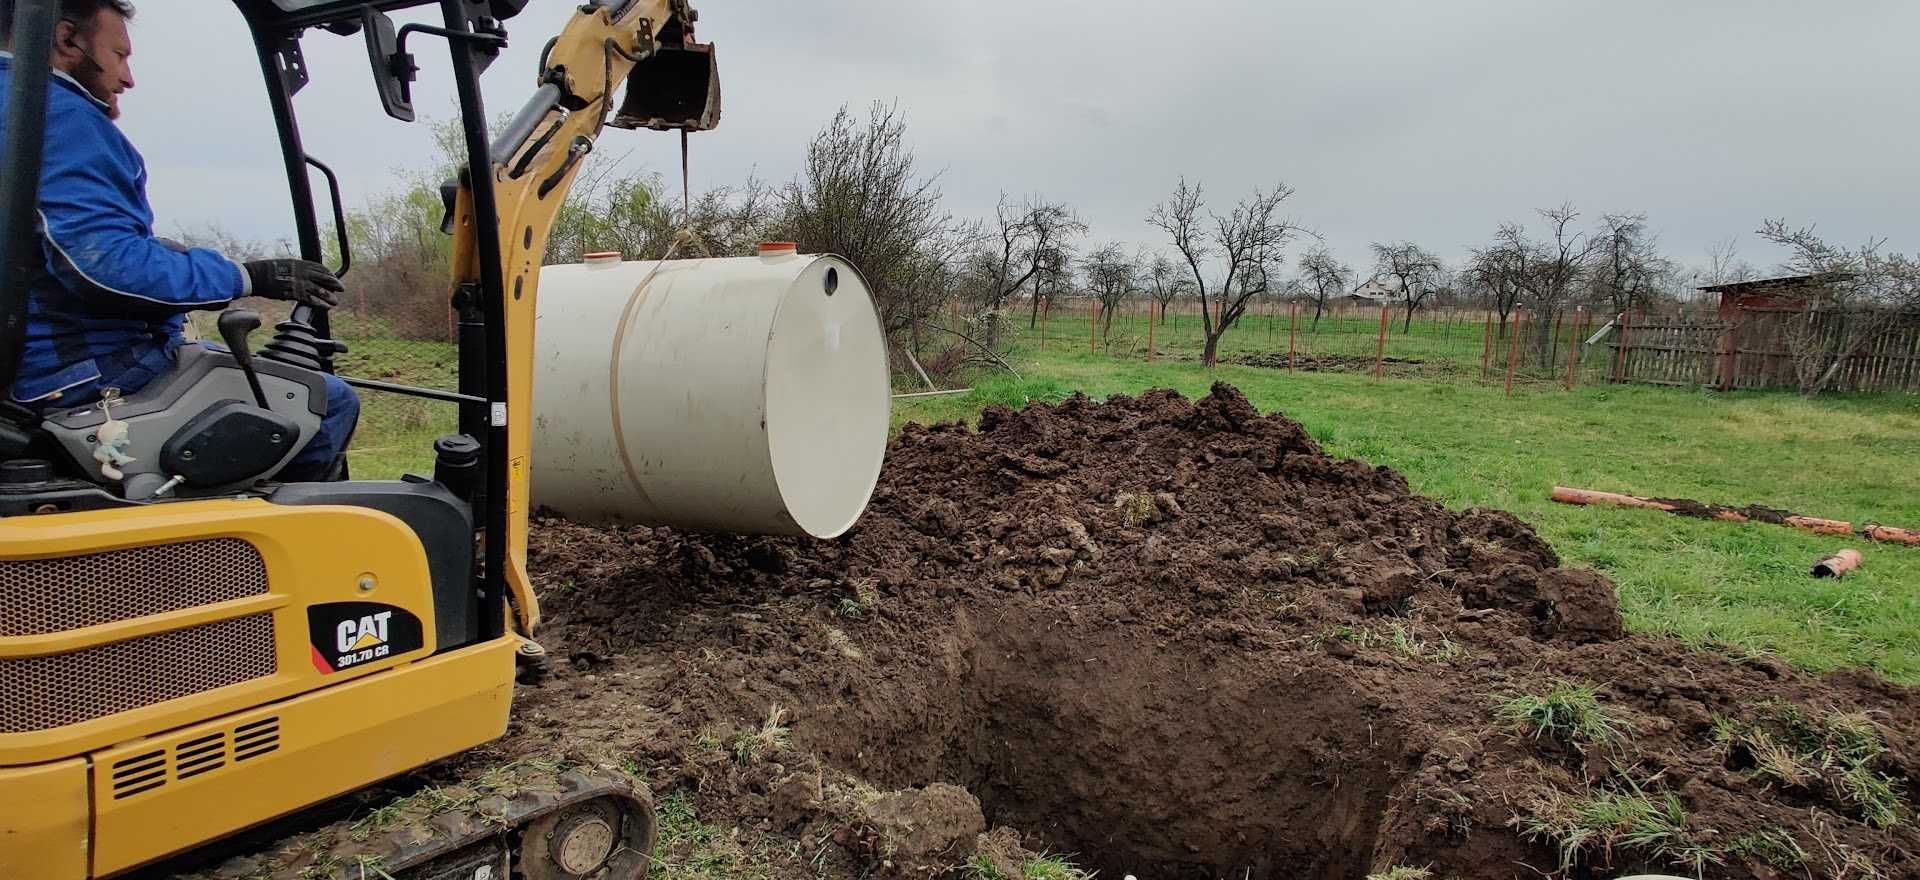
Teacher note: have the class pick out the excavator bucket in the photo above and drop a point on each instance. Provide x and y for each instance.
(677, 87)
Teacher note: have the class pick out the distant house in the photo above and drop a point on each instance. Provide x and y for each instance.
(1374, 293)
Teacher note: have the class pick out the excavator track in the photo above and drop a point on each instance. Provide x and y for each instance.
(532, 820)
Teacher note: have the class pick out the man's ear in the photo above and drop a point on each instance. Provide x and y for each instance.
(64, 39)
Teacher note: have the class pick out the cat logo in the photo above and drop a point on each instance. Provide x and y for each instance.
(367, 632)
(347, 634)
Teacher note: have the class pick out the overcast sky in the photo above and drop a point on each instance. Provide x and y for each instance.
(1427, 120)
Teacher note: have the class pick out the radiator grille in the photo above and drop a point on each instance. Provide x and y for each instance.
(41, 693)
(54, 595)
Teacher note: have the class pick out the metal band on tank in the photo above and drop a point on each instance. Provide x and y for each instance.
(613, 378)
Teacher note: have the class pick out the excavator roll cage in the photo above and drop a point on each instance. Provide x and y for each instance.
(474, 32)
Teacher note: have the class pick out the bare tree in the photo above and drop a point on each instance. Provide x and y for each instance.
(1167, 283)
(1549, 270)
(1724, 265)
(1323, 275)
(1412, 269)
(1628, 268)
(1872, 292)
(1026, 235)
(1246, 244)
(1014, 235)
(860, 195)
(1497, 269)
(637, 216)
(1054, 277)
(1110, 275)
(216, 237)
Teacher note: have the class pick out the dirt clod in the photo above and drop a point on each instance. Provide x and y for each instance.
(921, 832)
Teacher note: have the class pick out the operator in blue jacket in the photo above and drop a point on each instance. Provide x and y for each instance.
(108, 309)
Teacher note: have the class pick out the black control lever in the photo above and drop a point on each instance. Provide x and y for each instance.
(234, 325)
(295, 343)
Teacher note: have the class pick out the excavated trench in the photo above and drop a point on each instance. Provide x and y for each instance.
(1140, 760)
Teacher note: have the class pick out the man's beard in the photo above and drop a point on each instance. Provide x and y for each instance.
(95, 84)
(93, 78)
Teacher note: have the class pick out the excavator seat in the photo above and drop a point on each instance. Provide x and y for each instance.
(197, 426)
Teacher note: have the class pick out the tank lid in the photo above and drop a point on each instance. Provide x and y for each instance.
(778, 248)
(602, 257)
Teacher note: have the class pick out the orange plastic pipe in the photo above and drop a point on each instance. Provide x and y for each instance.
(1820, 526)
(1837, 565)
(1889, 533)
(1814, 524)
(1567, 495)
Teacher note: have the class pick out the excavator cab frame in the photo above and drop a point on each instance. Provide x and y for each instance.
(174, 673)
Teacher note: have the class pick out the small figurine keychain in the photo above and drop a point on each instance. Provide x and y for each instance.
(114, 436)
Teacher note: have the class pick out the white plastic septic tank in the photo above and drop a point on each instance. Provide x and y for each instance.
(742, 395)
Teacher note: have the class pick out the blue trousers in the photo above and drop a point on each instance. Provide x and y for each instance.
(315, 461)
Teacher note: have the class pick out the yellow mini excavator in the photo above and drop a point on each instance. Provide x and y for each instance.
(191, 649)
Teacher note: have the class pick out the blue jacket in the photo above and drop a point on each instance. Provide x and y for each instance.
(112, 298)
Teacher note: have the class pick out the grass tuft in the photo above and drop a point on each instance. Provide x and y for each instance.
(752, 745)
(1406, 642)
(862, 595)
(1599, 821)
(1788, 747)
(1053, 867)
(1135, 507)
(1773, 847)
(689, 849)
(981, 867)
(1402, 872)
(1402, 637)
(1568, 712)
(1877, 795)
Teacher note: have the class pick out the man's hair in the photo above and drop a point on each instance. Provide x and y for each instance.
(80, 12)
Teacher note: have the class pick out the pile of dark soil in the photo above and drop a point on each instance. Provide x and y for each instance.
(1344, 363)
(1178, 640)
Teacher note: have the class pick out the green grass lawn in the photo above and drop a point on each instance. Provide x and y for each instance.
(1711, 583)
(1445, 343)
(396, 432)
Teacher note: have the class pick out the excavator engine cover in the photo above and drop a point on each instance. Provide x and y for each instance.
(677, 87)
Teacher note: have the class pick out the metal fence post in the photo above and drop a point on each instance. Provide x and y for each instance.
(1513, 350)
(1380, 350)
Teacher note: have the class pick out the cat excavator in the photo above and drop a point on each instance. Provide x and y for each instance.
(189, 648)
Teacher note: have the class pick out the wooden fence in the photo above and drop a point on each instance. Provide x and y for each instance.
(1752, 348)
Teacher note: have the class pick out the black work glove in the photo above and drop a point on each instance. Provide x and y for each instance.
(300, 281)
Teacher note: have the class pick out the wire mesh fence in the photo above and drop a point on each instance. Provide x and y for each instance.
(407, 341)
(1573, 347)
(395, 337)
